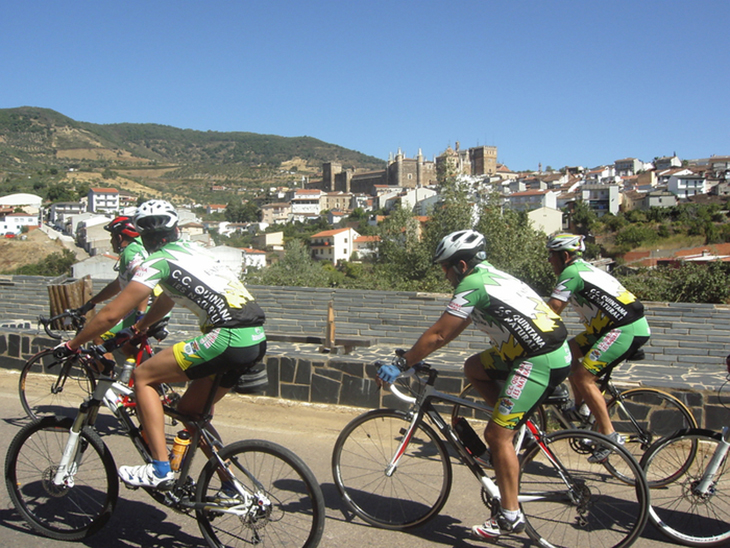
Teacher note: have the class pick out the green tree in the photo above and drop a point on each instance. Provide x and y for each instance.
(296, 268)
(584, 218)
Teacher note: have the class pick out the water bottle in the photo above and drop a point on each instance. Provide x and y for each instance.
(468, 437)
(179, 449)
(127, 369)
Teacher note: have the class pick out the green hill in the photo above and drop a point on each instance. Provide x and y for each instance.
(37, 144)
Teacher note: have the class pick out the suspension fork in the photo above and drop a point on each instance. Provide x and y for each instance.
(68, 465)
(717, 459)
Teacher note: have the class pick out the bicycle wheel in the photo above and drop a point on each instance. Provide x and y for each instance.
(643, 415)
(286, 507)
(678, 511)
(49, 386)
(572, 502)
(415, 491)
(70, 512)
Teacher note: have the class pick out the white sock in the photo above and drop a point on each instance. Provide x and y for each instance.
(510, 514)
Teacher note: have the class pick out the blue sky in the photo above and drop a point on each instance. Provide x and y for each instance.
(553, 83)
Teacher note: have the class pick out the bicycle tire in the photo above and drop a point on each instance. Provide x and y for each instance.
(679, 514)
(598, 510)
(479, 419)
(297, 513)
(49, 386)
(657, 413)
(66, 513)
(414, 493)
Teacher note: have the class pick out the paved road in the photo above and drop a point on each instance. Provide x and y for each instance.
(310, 431)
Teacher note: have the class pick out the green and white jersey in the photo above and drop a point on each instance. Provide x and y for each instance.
(599, 299)
(130, 258)
(519, 322)
(194, 278)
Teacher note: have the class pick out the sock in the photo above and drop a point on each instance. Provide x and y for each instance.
(161, 467)
(511, 515)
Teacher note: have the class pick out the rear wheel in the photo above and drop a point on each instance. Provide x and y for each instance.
(281, 505)
(49, 386)
(568, 501)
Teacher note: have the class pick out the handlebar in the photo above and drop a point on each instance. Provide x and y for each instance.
(67, 317)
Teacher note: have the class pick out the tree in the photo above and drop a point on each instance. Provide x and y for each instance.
(296, 268)
(583, 218)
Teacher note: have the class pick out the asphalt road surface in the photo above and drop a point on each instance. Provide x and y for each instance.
(310, 431)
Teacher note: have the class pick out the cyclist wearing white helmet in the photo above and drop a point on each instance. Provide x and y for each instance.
(529, 353)
(615, 326)
(233, 338)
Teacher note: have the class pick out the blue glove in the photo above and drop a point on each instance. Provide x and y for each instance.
(389, 372)
(63, 351)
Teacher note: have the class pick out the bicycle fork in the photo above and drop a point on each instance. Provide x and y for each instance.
(705, 486)
(71, 457)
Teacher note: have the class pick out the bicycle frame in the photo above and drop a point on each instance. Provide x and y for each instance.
(422, 406)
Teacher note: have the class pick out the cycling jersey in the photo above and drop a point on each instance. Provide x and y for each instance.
(599, 299)
(130, 258)
(519, 322)
(194, 278)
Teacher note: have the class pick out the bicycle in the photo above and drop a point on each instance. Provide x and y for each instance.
(393, 470)
(689, 477)
(52, 386)
(63, 480)
(642, 415)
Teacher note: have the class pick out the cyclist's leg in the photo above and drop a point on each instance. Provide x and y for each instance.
(483, 370)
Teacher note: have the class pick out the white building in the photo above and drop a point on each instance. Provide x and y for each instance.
(253, 258)
(547, 219)
(684, 184)
(306, 202)
(30, 203)
(14, 222)
(531, 199)
(601, 198)
(103, 200)
(333, 245)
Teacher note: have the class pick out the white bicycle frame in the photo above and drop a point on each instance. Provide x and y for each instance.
(717, 459)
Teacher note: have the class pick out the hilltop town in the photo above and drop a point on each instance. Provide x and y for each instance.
(412, 183)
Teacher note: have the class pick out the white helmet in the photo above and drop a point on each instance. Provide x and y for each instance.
(463, 245)
(572, 243)
(155, 216)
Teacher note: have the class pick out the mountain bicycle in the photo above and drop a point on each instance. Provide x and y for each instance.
(642, 415)
(63, 480)
(393, 470)
(689, 477)
(53, 386)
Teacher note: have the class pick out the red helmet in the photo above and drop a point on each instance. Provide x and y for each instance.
(122, 226)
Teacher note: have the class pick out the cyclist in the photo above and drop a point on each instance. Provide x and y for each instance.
(613, 318)
(126, 243)
(231, 322)
(530, 354)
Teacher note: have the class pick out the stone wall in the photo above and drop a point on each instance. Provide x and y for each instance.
(689, 342)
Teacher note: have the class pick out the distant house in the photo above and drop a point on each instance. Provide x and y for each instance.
(686, 184)
(366, 246)
(12, 223)
(253, 258)
(269, 240)
(333, 245)
(628, 166)
(532, 199)
(216, 208)
(276, 212)
(547, 219)
(103, 200)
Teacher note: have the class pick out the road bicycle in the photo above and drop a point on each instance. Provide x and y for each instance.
(62, 478)
(642, 415)
(689, 477)
(393, 470)
(52, 386)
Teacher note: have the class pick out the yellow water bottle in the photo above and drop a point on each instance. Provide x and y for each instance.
(179, 449)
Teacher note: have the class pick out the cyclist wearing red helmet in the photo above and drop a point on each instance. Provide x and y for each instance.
(126, 242)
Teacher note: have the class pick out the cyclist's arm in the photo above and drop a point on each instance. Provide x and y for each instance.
(111, 289)
(159, 309)
(557, 305)
(445, 330)
(108, 316)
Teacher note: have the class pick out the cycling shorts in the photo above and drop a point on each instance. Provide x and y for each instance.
(603, 351)
(527, 382)
(231, 349)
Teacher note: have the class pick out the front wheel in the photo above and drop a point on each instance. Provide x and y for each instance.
(568, 501)
(281, 505)
(679, 510)
(411, 493)
(49, 386)
(72, 511)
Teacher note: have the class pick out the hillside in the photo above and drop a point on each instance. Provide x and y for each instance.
(39, 147)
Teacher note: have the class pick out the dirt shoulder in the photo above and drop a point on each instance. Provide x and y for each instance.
(17, 252)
